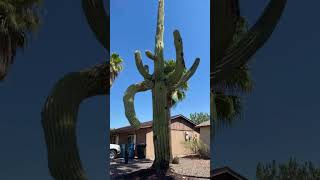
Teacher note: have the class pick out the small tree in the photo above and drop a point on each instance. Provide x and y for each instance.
(291, 170)
(198, 118)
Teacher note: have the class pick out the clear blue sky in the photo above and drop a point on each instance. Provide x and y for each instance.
(133, 25)
(282, 114)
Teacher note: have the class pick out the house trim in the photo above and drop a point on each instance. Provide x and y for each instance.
(223, 170)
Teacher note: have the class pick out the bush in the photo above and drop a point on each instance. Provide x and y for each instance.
(175, 160)
(203, 150)
(199, 148)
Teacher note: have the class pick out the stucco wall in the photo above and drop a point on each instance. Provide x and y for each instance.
(141, 136)
(178, 142)
(123, 138)
(149, 147)
(178, 130)
(205, 135)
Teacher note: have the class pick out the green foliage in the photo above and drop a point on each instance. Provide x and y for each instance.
(198, 118)
(18, 18)
(228, 96)
(115, 66)
(198, 147)
(178, 94)
(291, 170)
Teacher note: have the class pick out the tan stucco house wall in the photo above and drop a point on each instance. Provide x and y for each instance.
(180, 125)
(205, 133)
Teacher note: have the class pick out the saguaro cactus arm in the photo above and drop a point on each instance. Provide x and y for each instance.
(187, 75)
(180, 65)
(141, 68)
(128, 100)
(98, 20)
(59, 118)
(150, 55)
(251, 42)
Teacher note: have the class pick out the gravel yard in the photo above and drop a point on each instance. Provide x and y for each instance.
(191, 168)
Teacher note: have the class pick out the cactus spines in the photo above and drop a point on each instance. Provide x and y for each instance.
(161, 86)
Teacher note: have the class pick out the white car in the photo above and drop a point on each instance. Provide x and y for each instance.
(114, 150)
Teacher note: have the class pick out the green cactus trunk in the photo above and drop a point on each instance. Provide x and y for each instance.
(160, 85)
(161, 126)
(59, 114)
(59, 118)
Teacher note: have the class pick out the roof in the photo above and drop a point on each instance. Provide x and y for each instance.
(226, 170)
(206, 123)
(148, 124)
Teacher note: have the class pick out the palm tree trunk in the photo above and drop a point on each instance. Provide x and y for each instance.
(59, 118)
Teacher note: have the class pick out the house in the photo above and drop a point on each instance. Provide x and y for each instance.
(204, 129)
(182, 130)
(226, 173)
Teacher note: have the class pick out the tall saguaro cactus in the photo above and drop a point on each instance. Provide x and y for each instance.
(160, 85)
(59, 114)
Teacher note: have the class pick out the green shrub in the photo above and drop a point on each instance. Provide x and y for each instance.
(199, 148)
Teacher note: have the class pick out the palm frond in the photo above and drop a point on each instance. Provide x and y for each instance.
(18, 18)
(115, 66)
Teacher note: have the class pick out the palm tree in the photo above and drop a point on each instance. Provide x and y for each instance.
(178, 94)
(228, 95)
(115, 67)
(17, 20)
(229, 105)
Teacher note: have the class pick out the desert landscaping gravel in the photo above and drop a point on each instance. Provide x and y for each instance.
(192, 168)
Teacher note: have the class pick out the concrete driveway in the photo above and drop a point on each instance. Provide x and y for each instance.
(118, 167)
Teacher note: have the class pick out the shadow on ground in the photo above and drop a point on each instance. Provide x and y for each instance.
(118, 168)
